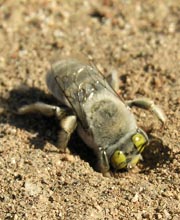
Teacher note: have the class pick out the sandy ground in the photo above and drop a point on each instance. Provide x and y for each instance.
(139, 39)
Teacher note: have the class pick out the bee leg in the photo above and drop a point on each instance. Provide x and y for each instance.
(40, 107)
(103, 163)
(148, 104)
(68, 125)
(113, 80)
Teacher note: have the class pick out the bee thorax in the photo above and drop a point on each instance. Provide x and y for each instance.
(108, 120)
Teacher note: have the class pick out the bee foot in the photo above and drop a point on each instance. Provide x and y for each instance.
(107, 174)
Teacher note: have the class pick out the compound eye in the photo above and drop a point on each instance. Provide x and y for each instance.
(139, 141)
(118, 160)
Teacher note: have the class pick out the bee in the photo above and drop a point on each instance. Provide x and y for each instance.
(102, 118)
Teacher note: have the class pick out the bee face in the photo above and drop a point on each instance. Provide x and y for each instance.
(129, 153)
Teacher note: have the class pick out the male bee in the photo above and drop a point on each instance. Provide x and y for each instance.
(103, 120)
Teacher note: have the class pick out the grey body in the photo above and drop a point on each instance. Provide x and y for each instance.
(103, 119)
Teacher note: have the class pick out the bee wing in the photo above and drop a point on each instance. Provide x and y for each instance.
(68, 86)
(78, 82)
(103, 81)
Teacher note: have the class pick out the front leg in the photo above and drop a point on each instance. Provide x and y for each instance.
(103, 162)
(148, 104)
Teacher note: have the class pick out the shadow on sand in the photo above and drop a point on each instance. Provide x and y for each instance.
(46, 129)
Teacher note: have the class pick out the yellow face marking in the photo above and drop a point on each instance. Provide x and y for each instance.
(118, 160)
(135, 159)
(139, 141)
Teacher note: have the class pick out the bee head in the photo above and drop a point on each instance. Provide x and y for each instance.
(127, 156)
